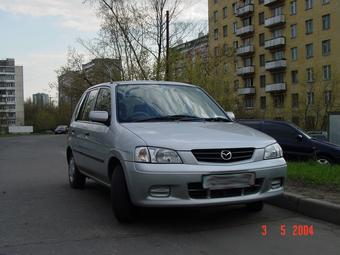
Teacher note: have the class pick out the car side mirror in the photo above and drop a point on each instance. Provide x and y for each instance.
(230, 115)
(99, 116)
(299, 138)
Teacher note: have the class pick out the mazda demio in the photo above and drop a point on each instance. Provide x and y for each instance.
(168, 144)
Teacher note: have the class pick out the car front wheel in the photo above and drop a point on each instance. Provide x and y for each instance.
(122, 207)
(76, 179)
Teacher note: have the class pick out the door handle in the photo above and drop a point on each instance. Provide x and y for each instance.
(73, 131)
(87, 135)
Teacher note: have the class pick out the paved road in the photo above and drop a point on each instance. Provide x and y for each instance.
(40, 214)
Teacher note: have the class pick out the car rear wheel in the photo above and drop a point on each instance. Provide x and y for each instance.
(323, 160)
(122, 207)
(76, 179)
(255, 206)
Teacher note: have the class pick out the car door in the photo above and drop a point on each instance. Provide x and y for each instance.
(99, 141)
(81, 129)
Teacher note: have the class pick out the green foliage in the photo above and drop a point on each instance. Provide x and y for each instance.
(314, 173)
(46, 117)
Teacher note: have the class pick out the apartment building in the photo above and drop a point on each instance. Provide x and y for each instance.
(40, 99)
(11, 94)
(287, 55)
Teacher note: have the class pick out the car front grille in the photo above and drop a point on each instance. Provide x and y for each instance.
(214, 155)
(196, 191)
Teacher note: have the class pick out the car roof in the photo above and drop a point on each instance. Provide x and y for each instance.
(141, 82)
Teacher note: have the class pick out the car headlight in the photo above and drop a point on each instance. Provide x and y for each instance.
(157, 155)
(273, 151)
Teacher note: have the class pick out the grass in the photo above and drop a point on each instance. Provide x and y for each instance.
(314, 173)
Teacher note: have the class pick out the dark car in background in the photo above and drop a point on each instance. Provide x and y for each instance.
(296, 144)
(61, 129)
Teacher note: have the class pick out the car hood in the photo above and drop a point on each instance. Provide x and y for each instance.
(199, 135)
(329, 145)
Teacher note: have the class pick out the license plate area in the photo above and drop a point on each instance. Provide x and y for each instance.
(228, 181)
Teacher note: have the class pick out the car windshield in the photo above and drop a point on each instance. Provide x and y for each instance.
(142, 103)
(301, 131)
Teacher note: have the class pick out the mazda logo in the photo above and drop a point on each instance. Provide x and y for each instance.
(226, 155)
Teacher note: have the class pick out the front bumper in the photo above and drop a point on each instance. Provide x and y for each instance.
(184, 178)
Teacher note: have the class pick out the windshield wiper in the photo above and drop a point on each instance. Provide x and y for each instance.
(171, 118)
(217, 119)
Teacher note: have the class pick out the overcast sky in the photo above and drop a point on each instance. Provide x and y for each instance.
(38, 33)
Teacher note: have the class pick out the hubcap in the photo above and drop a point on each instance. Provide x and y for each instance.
(71, 170)
(323, 161)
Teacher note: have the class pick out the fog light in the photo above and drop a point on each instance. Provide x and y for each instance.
(159, 191)
(276, 183)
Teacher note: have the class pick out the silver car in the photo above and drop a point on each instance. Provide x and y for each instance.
(167, 144)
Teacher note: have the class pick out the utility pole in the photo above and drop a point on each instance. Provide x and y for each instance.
(167, 67)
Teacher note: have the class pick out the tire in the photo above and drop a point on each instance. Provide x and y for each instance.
(255, 206)
(76, 179)
(122, 207)
(323, 160)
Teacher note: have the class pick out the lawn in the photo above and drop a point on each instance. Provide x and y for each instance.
(313, 173)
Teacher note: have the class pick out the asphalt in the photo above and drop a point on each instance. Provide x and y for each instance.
(40, 214)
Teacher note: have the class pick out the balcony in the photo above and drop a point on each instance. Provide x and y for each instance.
(276, 87)
(270, 2)
(245, 50)
(246, 30)
(275, 43)
(276, 64)
(275, 21)
(246, 70)
(246, 91)
(244, 10)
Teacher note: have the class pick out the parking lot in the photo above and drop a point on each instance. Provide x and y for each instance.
(41, 214)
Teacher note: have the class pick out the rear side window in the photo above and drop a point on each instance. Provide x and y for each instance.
(87, 106)
(104, 101)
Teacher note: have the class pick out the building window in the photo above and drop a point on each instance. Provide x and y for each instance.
(309, 26)
(225, 49)
(294, 53)
(294, 74)
(326, 1)
(225, 68)
(326, 22)
(225, 12)
(249, 101)
(216, 51)
(309, 50)
(262, 81)
(279, 100)
(263, 102)
(261, 1)
(248, 83)
(215, 16)
(261, 18)
(235, 44)
(261, 39)
(293, 7)
(216, 34)
(225, 31)
(295, 100)
(309, 4)
(326, 47)
(326, 72)
(310, 74)
(234, 8)
(215, 1)
(328, 97)
(293, 31)
(234, 27)
(262, 60)
(278, 77)
(310, 98)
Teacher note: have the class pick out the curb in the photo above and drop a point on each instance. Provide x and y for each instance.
(308, 206)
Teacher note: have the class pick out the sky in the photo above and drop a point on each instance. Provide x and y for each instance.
(38, 34)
